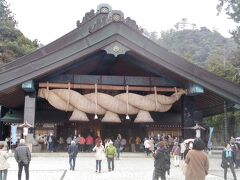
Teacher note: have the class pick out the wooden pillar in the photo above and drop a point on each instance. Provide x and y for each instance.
(187, 117)
(29, 115)
(30, 108)
(225, 122)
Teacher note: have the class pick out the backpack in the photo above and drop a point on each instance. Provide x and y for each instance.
(162, 160)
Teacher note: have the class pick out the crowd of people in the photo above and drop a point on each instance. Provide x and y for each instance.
(192, 153)
(85, 144)
(194, 156)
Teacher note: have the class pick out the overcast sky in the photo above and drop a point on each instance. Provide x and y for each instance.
(47, 20)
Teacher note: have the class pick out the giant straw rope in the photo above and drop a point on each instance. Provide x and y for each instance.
(110, 106)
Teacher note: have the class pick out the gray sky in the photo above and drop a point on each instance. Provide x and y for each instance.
(47, 20)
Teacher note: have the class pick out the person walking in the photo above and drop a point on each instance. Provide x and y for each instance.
(197, 164)
(182, 149)
(132, 142)
(161, 162)
(151, 143)
(4, 165)
(99, 148)
(51, 143)
(189, 147)
(138, 142)
(110, 153)
(72, 152)
(23, 158)
(176, 154)
(228, 159)
(117, 144)
(61, 144)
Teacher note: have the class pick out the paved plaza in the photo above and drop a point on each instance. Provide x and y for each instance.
(131, 166)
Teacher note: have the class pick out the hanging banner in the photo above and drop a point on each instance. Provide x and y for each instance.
(14, 134)
(210, 137)
(25, 131)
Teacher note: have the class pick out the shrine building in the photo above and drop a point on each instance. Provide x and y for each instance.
(105, 77)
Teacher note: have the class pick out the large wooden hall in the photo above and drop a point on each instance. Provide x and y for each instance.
(105, 77)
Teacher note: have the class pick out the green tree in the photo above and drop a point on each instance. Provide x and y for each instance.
(13, 43)
(196, 45)
(232, 9)
(208, 49)
(182, 24)
(217, 66)
(231, 73)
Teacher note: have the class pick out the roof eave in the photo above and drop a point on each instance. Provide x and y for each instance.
(128, 37)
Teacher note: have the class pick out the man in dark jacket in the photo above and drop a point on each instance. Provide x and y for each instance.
(72, 151)
(23, 158)
(228, 160)
(117, 144)
(161, 162)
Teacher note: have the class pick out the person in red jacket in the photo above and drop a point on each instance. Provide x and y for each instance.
(82, 144)
(89, 143)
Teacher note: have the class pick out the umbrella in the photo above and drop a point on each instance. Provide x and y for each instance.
(186, 141)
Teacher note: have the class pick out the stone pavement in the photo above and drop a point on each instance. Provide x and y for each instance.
(131, 166)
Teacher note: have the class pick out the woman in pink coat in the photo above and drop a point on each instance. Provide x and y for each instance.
(197, 162)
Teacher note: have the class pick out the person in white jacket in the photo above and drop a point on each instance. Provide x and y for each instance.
(3, 163)
(147, 146)
(99, 148)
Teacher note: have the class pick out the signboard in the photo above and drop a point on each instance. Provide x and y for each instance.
(28, 86)
(195, 89)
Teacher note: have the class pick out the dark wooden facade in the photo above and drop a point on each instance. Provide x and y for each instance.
(108, 49)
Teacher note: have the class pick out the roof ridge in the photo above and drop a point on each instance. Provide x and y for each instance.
(108, 15)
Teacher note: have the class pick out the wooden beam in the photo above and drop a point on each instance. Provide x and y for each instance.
(111, 80)
(104, 87)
